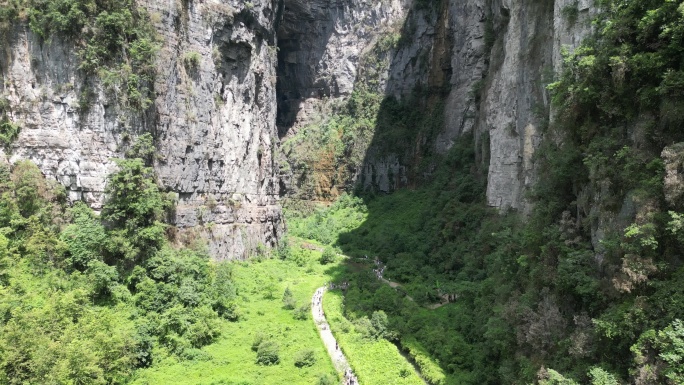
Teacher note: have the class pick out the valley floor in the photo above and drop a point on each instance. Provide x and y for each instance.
(231, 359)
(261, 284)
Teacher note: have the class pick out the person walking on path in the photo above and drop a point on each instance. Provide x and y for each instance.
(329, 341)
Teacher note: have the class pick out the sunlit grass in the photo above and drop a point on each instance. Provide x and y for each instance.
(375, 362)
(231, 360)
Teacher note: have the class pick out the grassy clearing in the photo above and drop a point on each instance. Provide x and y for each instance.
(429, 368)
(374, 361)
(230, 360)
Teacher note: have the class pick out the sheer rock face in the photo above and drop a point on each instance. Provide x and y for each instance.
(321, 44)
(515, 103)
(494, 58)
(213, 121)
(217, 122)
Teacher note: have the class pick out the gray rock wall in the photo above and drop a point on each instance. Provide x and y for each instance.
(267, 68)
(516, 105)
(213, 123)
(321, 44)
(496, 58)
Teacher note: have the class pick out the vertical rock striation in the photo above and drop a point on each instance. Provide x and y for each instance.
(213, 119)
(515, 105)
(234, 78)
(321, 44)
(495, 58)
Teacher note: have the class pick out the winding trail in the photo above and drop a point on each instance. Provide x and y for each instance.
(338, 358)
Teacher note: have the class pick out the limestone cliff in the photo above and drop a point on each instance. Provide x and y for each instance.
(234, 79)
(489, 60)
(212, 117)
(323, 46)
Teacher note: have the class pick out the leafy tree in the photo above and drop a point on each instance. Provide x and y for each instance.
(601, 377)
(223, 292)
(103, 278)
(134, 209)
(328, 255)
(288, 299)
(552, 377)
(85, 237)
(379, 324)
(659, 355)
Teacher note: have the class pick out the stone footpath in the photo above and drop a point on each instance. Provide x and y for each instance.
(338, 358)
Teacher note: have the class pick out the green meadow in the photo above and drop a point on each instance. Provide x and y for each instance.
(260, 287)
(374, 361)
(231, 360)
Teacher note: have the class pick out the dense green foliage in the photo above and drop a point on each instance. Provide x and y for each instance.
(88, 299)
(232, 359)
(590, 284)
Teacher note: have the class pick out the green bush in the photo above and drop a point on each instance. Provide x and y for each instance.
(258, 339)
(268, 353)
(304, 358)
(326, 379)
(302, 312)
(328, 256)
(8, 132)
(288, 299)
(192, 59)
(284, 251)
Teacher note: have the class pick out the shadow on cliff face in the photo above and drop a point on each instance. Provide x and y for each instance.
(303, 30)
(402, 151)
(422, 207)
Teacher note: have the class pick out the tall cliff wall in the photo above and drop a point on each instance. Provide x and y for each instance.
(487, 60)
(212, 118)
(524, 59)
(235, 79)
(321, 45)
